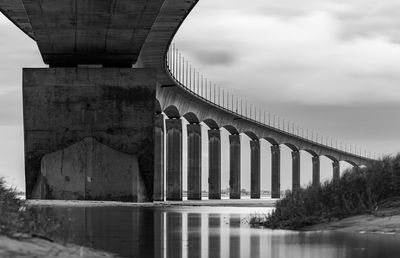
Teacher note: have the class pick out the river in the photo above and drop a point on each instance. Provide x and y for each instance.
(189, 232)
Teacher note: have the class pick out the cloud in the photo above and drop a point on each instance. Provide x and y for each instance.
(311, 53)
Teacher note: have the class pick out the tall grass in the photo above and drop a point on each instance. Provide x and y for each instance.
(16, 219)
(356, 192)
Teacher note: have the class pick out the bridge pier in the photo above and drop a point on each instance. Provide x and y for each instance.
(174, 159)
(295, 170)
(275, 171)
(234, 181)
(194, 161)
(315, 170)
(255, 169)
(214, 164)
(89, 133)
(158, 194)
(336, 170)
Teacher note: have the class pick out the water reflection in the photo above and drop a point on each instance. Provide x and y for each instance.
(205, 232)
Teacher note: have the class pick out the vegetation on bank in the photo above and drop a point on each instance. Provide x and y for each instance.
(358, 191)
(16, 220)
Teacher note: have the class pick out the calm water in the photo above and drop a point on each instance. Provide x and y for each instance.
(206, 232)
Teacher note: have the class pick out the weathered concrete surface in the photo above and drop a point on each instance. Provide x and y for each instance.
(158, 192)
(194, 161)
(295, 170)
(115, 106)
(275, 171)
(234, 168)
(214, 164)
(174, 159)
(255, 158)
(89, 170)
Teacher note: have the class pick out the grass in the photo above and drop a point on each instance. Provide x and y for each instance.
(17, 220)
(358, 191)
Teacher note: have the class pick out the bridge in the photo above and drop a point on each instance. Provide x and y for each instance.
(99, 120)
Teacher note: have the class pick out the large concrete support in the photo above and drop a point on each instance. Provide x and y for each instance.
(315, 171)
(174, 159)
(113, 108)
(255, 169)
(295, 170)
(234, 175)
(336, 170)
(194, 161)
(158, 194)
(214, 164)
(275, 171)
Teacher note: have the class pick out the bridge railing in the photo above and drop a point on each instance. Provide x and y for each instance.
(189, 78)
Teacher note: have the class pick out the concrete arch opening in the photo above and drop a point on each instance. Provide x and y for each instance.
(265, 164)
(231, 129)
(172, 112)
(211, 124)
(286, 164)
(191, 118)
(290, 164)
(270, 140)
(346, 165)
(305, 168)
(330, 168)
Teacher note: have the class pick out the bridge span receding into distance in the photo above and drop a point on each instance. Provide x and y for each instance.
(96, 120)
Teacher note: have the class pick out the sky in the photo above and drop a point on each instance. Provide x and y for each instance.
(330, 65)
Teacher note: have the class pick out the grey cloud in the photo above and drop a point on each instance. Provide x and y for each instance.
(215, 58)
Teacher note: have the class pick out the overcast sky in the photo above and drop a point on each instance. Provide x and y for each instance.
(331, 65)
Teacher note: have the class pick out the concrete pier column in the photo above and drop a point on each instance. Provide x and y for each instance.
(336, 170)
(316, 171)
(194, 161)
(174, 159)
(255, 169)
(295, 170)
(234, 175)
(214, 164)
(158, 194)
(275, 171)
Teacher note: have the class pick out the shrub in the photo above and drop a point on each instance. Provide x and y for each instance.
(357, 191)
(16, 218)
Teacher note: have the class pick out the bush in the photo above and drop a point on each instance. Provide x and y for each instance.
(16, 218)
(357, 191)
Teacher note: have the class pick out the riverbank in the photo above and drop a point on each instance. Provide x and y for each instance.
(36, 247)
(383, 222)
(25, 234)
(361, 191)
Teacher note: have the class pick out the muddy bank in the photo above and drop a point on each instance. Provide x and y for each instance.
(37, 247)
(382, 222)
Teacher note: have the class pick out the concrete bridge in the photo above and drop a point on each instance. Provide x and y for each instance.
(97, 119)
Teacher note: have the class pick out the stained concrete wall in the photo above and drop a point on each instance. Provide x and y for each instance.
(115, 106)
(89, 170)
